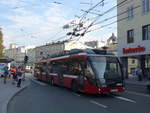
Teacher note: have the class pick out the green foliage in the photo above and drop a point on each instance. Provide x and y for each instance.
(1, 45)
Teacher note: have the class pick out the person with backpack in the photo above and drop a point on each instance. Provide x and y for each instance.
(13, 73)
(139, 74)
(19, 74)
(6, 72)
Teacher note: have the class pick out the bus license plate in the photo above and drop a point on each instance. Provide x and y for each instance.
(114, 90)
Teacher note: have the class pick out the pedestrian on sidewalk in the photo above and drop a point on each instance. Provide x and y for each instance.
(19, 74)
(6, 72)
(13, 73)
(139, 74)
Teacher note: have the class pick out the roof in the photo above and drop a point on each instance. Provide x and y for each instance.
(5, 60)
(79, 55)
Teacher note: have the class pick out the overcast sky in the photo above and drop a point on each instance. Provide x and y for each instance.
(37, 22)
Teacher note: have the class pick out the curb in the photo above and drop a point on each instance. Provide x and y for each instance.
(5, 106)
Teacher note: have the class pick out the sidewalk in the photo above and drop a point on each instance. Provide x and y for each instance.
(134, 80)
(7, 91)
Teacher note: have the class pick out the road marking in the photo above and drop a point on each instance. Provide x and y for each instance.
(38, 82)
(125, 99)
(76, 94)
(139, 94)
(101, 105)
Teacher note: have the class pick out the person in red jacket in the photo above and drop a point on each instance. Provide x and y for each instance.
(13, 73)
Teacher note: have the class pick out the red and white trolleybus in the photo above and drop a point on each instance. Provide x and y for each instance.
(83, 71)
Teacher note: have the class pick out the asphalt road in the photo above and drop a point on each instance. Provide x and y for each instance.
(43, 98)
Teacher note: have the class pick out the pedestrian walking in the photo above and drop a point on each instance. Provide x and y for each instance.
(19, 74)
(6, 72)
(13, 73)
(139, 74)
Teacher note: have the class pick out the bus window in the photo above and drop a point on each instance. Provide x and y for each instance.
(89, 74)
(36, 68)
(54, 67)
(64, 68)
(43, 67)
(75, 68)
(112, 68)
(105, 67)
(49, 67)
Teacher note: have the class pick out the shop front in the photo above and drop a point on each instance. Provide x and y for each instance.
(136, 55)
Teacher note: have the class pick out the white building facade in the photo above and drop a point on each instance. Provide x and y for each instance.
(134, 32)
(31, 56)
(17, 53)
(46, 51)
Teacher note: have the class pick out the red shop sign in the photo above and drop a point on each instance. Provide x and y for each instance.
(134, 50)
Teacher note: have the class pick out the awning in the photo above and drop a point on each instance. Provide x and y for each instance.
(6, 60)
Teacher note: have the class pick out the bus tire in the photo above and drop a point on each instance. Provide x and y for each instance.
(74, 86)
(148, 87)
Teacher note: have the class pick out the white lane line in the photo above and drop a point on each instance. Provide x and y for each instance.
(124, 99)
(101, 105)
(138, 94)
(76, 94)
(38, 82)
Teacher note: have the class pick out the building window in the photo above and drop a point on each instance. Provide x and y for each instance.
(145, 6)
(130, 12)
(146, 32)
(41, 53)
(130, 36)
(133, 61)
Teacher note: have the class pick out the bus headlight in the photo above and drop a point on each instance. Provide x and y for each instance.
(103, 85)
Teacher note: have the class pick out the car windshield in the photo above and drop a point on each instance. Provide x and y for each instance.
(105, 67)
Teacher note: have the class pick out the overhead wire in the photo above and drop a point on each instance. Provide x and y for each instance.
(83, 15)
(107, 11)
(118, 5)
(109, 18)
(119, 20)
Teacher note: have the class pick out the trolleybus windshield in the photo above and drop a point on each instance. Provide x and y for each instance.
(105, 67)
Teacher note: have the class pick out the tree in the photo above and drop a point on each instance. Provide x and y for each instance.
(1, 44)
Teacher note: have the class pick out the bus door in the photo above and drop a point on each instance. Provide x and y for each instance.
(81, 75)
(60, 76)
(77, 70)
(44, 71)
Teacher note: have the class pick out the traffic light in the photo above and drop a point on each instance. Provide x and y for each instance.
(26, 59)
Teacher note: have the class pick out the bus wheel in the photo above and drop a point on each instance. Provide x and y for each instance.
(148, 87)
(74, 86)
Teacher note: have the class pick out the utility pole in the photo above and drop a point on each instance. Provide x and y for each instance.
(25, 60)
